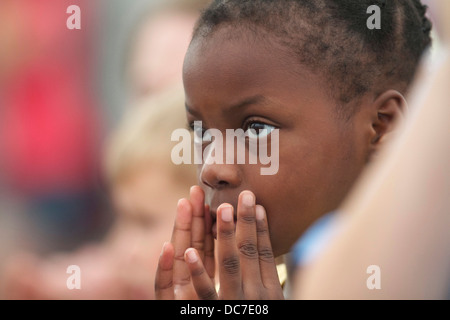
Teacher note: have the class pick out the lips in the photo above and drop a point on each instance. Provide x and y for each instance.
(213, 213)
(214, 230)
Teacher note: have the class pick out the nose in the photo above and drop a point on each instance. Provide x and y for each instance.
(220, 176)
(218, 173)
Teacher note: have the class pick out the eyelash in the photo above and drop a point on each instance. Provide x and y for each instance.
(249, 122)
(246, 125)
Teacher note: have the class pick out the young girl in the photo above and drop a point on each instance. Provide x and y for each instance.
(331, 86)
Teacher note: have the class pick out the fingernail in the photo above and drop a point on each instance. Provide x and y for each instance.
(163, 248)
(259, 213)
(227, 213)
(247, 199)
(191, 255)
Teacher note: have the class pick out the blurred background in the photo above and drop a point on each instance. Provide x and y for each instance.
(64, 96)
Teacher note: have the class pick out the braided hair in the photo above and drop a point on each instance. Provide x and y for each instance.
(331, 38)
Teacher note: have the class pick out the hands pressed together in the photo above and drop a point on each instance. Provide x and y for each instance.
(247, 269)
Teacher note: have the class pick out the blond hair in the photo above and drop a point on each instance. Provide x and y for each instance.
(144, 137)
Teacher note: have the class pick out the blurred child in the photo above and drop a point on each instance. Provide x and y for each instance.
(144, 185)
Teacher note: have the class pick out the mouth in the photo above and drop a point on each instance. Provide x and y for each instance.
(213, 213)
(214, 230)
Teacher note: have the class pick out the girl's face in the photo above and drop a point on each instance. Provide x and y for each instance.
(231, 82)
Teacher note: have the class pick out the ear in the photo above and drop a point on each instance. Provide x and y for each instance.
(389, 109)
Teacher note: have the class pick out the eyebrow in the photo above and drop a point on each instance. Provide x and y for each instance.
(257, 99)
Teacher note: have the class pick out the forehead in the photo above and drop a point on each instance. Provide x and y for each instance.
(227, 66)
(225, 51)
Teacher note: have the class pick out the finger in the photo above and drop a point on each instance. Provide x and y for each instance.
(209, 259)
(197, 199)
(228, 255)
(181, 240)
(164, 274)
(246, 241)
(202, 282)
(267, 263)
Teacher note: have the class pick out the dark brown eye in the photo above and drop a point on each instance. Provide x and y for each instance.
(257, 130)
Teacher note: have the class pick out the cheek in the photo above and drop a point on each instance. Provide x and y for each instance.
(313, 178)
